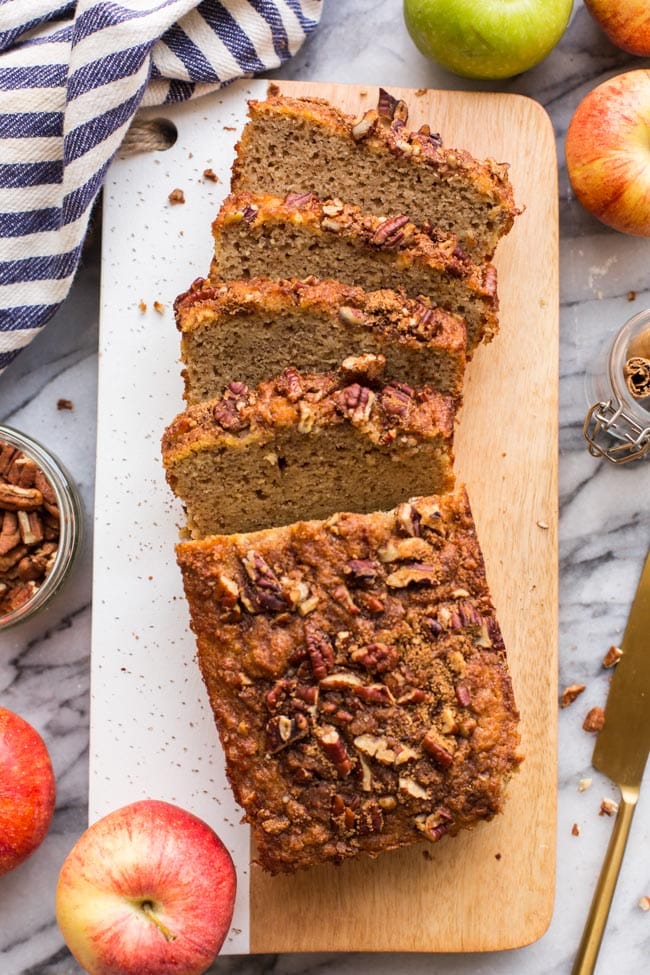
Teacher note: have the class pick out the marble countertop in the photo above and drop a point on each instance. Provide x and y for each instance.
(604, 535)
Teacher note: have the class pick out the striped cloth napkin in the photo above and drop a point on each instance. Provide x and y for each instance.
(72, 75)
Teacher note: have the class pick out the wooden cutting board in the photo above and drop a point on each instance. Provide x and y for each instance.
(489, 889)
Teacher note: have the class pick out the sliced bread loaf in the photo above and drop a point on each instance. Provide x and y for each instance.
(307, 145)
(299, 236)
(254, 329)
(358, 679)
(302, 446)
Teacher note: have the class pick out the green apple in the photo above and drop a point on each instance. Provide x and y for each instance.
(487, 38)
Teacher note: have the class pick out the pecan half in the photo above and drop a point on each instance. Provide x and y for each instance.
(389, 233)
(356, 401)
(319, 651)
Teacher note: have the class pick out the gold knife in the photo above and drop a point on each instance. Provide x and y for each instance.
(621, 752)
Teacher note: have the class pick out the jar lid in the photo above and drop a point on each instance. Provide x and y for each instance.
(618, 428)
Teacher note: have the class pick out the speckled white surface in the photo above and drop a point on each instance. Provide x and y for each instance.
(604, 534)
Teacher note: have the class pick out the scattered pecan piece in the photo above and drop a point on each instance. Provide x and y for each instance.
(211, 175)
(575, 830)
(644, 903)
(608, 807)
(584, 784)
(612, 657)
(595, 720)
(176, 196)
(64, 404)
(570, 694)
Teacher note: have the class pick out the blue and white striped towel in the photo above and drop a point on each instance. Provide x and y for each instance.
(72, 75)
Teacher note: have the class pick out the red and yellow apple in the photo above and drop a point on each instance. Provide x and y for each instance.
(608, 152)
(147, 890)
(626, 23)
(27, 790)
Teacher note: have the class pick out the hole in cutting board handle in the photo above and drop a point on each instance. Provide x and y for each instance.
(148, 135)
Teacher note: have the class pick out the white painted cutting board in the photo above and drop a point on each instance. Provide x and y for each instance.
(151, 731)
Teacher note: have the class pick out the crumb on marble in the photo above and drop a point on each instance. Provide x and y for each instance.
(159, 307)
(631, 296)
(644, 903)
(142, 305)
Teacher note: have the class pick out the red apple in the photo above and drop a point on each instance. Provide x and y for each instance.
(608, 152)
(27, 790)
(147, 890)
(626, 23)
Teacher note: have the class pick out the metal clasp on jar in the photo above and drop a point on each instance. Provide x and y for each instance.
(612, 433)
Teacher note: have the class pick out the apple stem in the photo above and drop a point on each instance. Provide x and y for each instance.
(147, 909)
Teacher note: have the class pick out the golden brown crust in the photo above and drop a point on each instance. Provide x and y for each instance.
(358, 679)
(394, 234)
(309, 403)
(414, 322)
(382, 132)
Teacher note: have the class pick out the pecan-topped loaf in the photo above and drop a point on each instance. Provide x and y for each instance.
(358, 679)
(303, 445)
(307, 145)
(254, 329)
(300, 235)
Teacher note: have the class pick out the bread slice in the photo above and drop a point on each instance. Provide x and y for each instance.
(254, 329)
(300, 446)
(358, 679)
(299, 236)
(306, 145)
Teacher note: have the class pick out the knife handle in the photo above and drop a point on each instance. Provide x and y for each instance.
(592, 935)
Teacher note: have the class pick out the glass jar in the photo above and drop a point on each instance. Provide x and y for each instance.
(70, 524)
(617, 424)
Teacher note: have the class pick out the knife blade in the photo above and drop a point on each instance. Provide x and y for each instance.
(621, 753)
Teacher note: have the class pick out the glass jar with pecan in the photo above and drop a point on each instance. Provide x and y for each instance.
(617, 425)
(40, 526)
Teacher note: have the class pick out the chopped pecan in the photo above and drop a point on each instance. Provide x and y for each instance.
(367, 365)
(370, 818)
(412, 788)
(362, 126)
(362, 570)
(570, 693)
(389, 233)
(414, 695)
(342, 681)
(462, 695)
(391, 108)
(351, 316)
(297, 199)
(290, 384)
(267, 592)
(342, 595)
(408, 518)
(415, 574)
(249, 213)
(435, 824)
(282, 731)
(595, 720)
(396, 398)
(370, 602)
(319, 651)
(374, 694)
(612, 657)
(434, 747)
(335, 750)
(376, 657)
(356, 402)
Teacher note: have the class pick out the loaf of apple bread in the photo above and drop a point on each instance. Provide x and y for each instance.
(358, 679)
(304, 145)
(303, 445)
(300, 235)
(254, 329)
